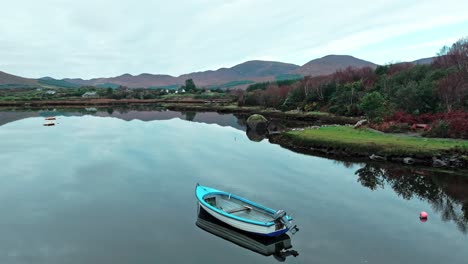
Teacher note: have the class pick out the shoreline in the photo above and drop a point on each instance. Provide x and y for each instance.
(448, 157)
(197, 105)
(316, 118)
(106, 102)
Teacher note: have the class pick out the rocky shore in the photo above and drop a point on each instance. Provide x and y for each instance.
(449, 159)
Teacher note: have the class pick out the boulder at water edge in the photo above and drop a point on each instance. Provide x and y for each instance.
(258, 123)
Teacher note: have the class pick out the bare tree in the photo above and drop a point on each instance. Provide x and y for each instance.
(454, 87)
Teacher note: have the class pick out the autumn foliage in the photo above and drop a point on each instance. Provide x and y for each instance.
(457, 122)
(453, 88)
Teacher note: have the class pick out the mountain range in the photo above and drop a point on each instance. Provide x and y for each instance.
(239, 76)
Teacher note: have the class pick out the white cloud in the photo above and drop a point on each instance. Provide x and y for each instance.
(91, 38)
(437, 44)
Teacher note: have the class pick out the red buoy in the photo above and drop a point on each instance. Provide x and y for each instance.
(423, 216)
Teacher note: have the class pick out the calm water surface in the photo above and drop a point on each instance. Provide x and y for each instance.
(119, 188)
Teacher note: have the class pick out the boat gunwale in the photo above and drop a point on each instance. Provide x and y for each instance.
(210, 191)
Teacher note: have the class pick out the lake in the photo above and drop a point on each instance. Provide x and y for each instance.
(117, 186)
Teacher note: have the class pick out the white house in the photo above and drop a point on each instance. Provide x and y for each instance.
(89, 95)
(50, 92)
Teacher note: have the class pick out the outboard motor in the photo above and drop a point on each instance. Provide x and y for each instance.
(280, 216)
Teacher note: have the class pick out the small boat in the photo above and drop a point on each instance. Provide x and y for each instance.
(50, 118)
(244, 214)
(49, 124)
(279, 247)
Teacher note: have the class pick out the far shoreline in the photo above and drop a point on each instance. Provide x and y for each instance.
(197, 105)
(329, 147)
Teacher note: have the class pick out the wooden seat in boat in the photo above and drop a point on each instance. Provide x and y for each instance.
(245, 208)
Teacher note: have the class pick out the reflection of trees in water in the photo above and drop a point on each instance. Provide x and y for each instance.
(241, 119)
(189, 116)
(371, 177)
(446, 193)
(138, 107)
(346, 163)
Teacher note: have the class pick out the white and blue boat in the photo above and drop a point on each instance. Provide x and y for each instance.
(243, 214)
(279, 247)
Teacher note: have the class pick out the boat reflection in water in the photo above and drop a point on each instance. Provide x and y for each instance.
(279, 247)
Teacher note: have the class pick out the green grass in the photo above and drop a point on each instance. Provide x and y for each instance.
(231, 84)
(108, 85)
(58, 83)
(202, 96)
(284, 77)
(363, 140)
(168, 87)
(213, 95)
(177, 95)
(312, 113)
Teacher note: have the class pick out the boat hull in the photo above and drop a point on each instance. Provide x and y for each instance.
(255, 229)
(268, 228)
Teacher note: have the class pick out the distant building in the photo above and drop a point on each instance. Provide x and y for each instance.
(176, 91)
(50, 92)
(89, 95)
(183, 91)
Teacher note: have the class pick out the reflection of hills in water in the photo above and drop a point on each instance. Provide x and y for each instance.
(147, 113)
(446, 192)
(279, 247)
(143, 113)
(12, 116)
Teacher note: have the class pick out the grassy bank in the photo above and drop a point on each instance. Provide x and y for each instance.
(367, 141)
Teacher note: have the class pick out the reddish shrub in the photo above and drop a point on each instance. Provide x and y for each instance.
(457, 122)
(402, 117)
(458, 125)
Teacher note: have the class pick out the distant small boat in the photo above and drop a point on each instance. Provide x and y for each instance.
(244, 214)
(49, 124)
(50, 118)
(280, 247)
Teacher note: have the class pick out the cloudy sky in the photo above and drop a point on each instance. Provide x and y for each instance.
(103, 38)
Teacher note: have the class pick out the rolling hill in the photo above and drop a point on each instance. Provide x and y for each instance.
(330, 64)
(424, 61)
(13, 80)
